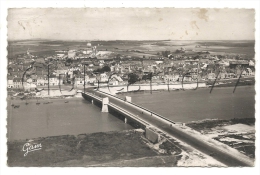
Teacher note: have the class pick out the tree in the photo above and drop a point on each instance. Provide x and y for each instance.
(147, 76)
(106, 69)
(103, 69)
(69, 60)
(165, 53)
(196, 57)
(76, 72)
(98, 70)
(132, 78)
(118, 56)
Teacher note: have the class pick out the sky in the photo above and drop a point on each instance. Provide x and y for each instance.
(131, 24)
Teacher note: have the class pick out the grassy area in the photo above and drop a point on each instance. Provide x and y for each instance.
(125, 148)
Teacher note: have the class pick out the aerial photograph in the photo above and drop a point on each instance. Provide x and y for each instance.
(130, 87)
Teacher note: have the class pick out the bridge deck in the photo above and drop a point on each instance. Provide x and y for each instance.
(121, 111)
(221, 152)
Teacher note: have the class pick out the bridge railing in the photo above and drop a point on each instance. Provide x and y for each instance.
(93, 96)
(121, 109)
(140, 107)
(130, 114)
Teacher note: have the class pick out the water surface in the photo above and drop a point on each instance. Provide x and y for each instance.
(58, 118)
(193, 105)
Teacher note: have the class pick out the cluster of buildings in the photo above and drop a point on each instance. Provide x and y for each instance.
(73, 54)
(67, 67)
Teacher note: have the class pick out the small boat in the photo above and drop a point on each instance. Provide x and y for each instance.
(66, 101)
(37, 103)
(12, 102)
(79, 91)
(120, 89)
(22, 98)
(47, 101)
(16, 106)
(26, 103)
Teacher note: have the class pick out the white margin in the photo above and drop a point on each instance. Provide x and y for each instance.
(5, 4)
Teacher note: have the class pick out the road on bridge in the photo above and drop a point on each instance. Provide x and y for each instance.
(197, 143)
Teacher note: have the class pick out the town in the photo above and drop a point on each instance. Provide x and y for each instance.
(66, 67)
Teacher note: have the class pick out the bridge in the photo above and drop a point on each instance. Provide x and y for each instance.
(155, 124)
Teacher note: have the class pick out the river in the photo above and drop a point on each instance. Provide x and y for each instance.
(79, 116)
(192, 105)
(58, 118)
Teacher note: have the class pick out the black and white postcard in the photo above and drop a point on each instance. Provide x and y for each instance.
(130, 87)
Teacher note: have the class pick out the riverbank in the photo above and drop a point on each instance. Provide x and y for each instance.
(236, 133)
(124, 148)
(127, 148)
(245, 81)
(44, 94)
(146, 87)
(130, 148)
(55, 92)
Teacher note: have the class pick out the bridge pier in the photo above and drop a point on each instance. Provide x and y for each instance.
(221, 152)
(129, 99)
(105, 102)
(152, 135)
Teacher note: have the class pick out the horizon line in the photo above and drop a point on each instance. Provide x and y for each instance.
(128, 40)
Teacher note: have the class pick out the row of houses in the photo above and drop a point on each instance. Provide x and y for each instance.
(18, 82)
(115, 79)
(77, 80)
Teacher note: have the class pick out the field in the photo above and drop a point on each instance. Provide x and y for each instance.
(136, 49)
(126, 148)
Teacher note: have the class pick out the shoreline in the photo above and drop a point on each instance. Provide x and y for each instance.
(117, 90)
(146, 87)
(114, 90)
(238, 133)
(121, 89)
(90, 150)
